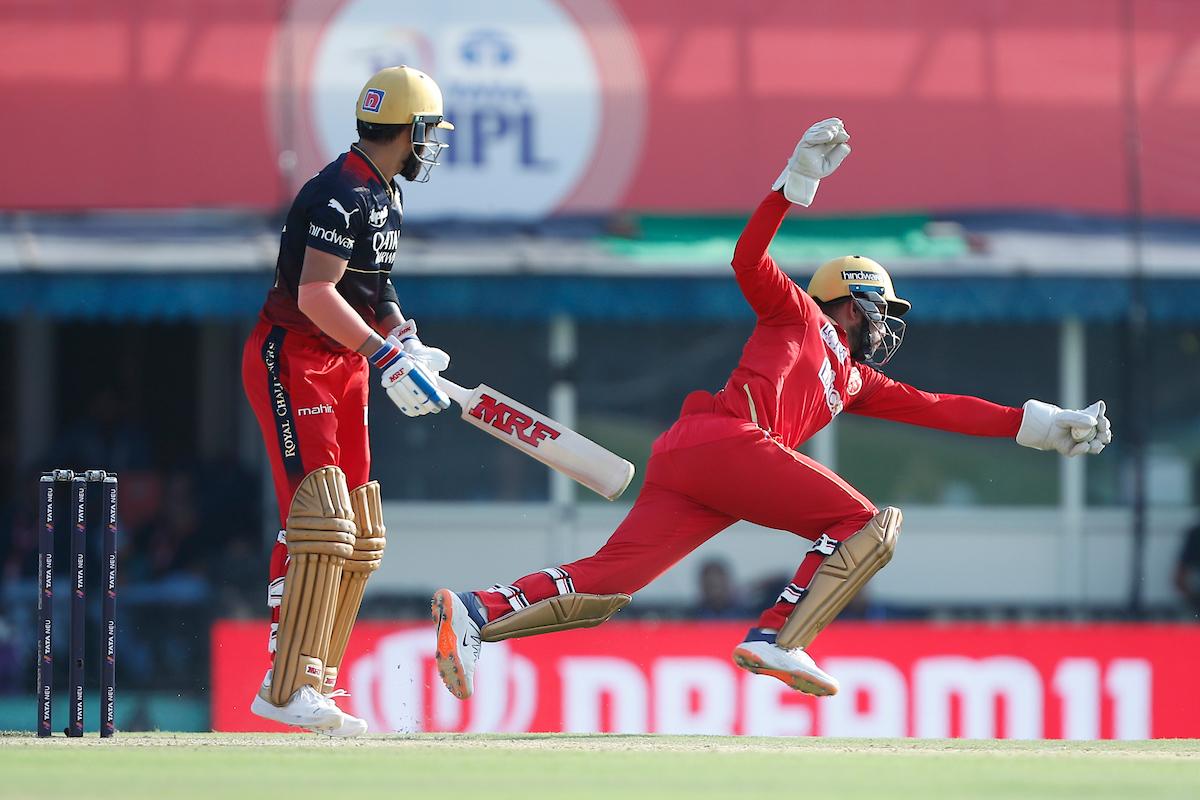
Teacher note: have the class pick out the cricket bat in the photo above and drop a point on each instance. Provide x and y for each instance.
(540, 437)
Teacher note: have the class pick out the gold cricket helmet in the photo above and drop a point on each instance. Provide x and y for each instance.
(402, 96)
(842, 277)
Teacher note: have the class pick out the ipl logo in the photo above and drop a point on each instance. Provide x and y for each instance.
(525, 91)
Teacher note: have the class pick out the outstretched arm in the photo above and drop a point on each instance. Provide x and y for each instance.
(1039, 425)
(770, 292)
(885, 398)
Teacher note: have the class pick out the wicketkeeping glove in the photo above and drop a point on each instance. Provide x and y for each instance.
(1071, 433)
(821, 151)
(410, 385)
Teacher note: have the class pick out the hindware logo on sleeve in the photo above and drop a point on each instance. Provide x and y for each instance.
(532, 91)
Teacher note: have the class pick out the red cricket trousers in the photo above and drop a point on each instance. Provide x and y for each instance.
(705, 473)
(311, 405)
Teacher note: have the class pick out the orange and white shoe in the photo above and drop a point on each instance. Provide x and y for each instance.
(759, 654)
(458, 639)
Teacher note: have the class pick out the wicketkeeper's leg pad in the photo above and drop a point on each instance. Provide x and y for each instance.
(559, 613)
(368, 554)
(840, 577)
(320, 537)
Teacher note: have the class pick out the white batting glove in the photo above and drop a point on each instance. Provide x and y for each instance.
(432, 358)
(409, 385)
(1070, 433)
(821, 150)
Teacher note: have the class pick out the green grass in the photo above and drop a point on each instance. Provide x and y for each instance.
(581, 767)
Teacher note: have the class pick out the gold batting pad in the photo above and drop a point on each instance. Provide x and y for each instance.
(840, 577)
(320, 537)
(368, 553)
(559, 613)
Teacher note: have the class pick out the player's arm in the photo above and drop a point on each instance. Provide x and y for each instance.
(319, 300)
(331, 237)
(770, 292)
(1038, 425)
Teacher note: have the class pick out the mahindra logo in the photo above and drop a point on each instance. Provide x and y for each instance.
(323, 408)
(504, 417)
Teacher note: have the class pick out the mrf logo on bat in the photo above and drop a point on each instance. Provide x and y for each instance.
(504, 417)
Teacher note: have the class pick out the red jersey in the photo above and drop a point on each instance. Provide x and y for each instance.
(796, 374)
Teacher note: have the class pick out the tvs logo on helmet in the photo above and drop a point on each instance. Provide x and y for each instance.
(859, 275)
(373, 100)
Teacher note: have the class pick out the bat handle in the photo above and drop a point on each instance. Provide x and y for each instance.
(458, 394)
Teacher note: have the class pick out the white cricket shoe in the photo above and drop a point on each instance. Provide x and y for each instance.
(794, 667)
(351, 725)
(307, 708)
(458, 642)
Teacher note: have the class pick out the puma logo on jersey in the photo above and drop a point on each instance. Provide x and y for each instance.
(336, 206)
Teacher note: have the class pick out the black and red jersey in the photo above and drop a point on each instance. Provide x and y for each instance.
(348, 209)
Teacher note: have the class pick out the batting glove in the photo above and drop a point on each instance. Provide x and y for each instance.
(821, 151)
(432, 358)
(410, 385)
(1070, 433)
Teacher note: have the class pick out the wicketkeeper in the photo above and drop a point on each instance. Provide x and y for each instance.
(732, 456)
(332, 313)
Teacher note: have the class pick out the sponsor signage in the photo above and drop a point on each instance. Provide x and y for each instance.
(596, 105)
(903, 679)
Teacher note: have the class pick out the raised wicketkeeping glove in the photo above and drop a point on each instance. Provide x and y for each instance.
(432, 358)
(821, 150)
(409, 385)
(1071, 433)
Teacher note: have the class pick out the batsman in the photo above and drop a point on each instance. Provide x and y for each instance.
(732, 456)
(331, 315)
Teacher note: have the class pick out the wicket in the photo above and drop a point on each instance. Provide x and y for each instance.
(79, 483)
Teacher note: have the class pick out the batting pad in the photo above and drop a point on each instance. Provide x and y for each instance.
(320, 537)
(368, 553)
(840, 577)
(559, 613)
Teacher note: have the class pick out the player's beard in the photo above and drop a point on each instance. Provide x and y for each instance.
(862, 343)
(411, 168)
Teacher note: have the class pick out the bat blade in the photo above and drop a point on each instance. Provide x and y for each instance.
(542, 438)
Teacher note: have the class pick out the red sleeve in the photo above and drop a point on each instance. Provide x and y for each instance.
(772, 294)
(885, 398)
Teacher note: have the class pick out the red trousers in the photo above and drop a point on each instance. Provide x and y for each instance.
(705, 473)
(311, 405)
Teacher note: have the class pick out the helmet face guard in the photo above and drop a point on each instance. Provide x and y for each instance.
(425, 145)
(882, 334)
